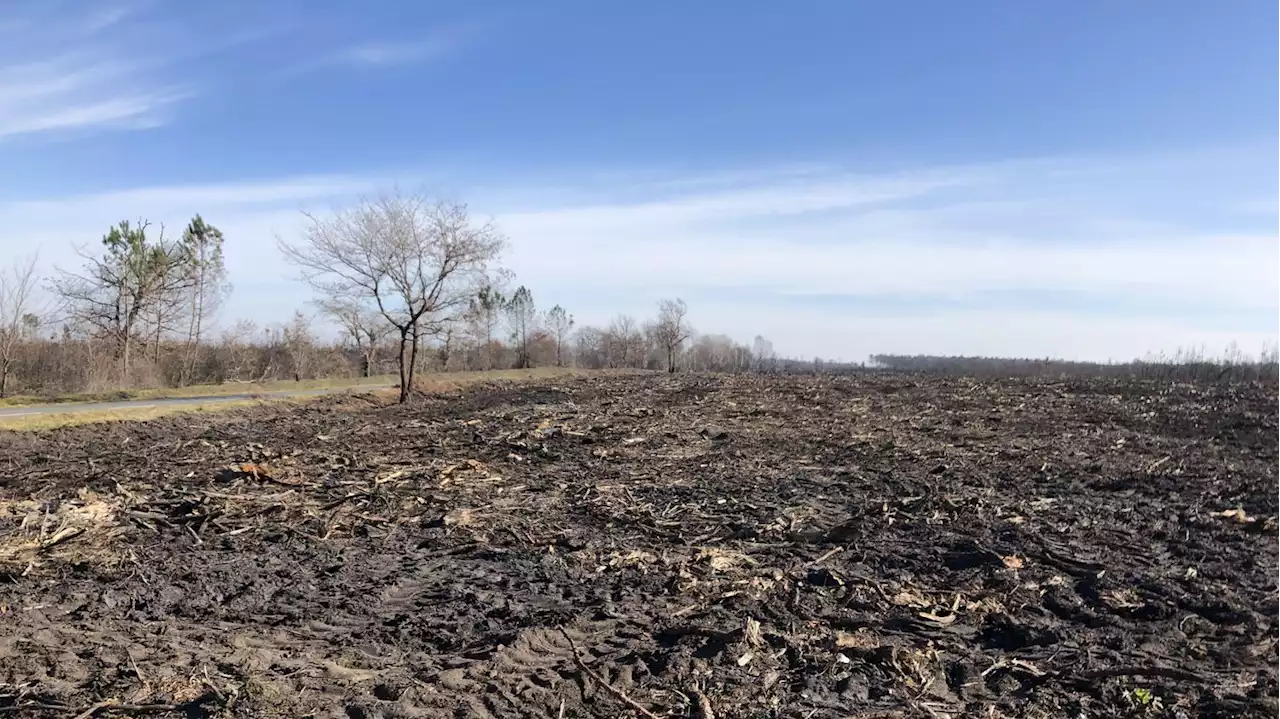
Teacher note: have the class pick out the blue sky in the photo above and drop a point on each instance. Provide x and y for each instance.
(1085, 179)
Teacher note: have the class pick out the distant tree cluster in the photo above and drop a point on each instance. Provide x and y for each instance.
(423, 272)
(412, 284)
(1182, 365)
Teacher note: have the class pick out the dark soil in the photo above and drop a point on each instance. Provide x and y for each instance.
(658, 546)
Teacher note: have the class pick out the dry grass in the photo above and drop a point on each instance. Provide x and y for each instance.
(201, 390)
(50, 420)
(435, 382)
(422, 381)
(45, 533)
(445, 381)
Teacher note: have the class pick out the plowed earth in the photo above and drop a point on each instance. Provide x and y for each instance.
(654, 546)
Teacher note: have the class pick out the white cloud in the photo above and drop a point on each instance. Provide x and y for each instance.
(1265, 206)
(189, 198)
(822, 261)
(1006, 332)
(251, 214)
(824, 264)
(124, 112)
(390, 53)
(104, 83)
(385, 53)
(102, 16)
(1220, 272)
(791, 197)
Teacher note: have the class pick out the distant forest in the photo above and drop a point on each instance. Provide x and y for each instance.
(413, 284)
(1182, 365)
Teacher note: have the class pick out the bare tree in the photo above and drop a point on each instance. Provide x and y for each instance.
(522, 318)
(238, 355)
(765, 357)
(202, 244)
(132, 281)
(17, 315)
(447, 341)
(418, 261)
(299, 344)
(716, 353)
(362, 324)
(622, 341)
(672, 329)
(485, 311)
(559, 323)
(591, 347)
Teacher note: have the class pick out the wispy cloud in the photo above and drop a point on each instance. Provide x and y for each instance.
(184, 198)
(103, 16)
(382, 53)
(1065, 244)
(379, 54)
(997, 258)
(104, 83)
(85, 67)
(251, 213)
(83, 91)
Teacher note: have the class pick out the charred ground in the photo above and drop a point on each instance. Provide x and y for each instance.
(676, 546)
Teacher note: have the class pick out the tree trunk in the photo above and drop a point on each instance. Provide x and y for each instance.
(413, 360)
(189, 352)
(404, 375)
(124, 353)
(488, 343)
(4, 377)
(155, 353)
(197, 321)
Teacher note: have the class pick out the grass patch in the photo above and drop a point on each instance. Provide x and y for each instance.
(384, 386)
(199, 390)
(217, 390)
(433, 382)
(51, 420)
(464, 378)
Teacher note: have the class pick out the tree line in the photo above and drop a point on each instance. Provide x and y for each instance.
(412, 283)
(1190, 364)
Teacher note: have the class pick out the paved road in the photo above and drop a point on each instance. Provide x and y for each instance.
(72, 407)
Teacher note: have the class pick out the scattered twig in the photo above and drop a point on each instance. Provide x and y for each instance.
(1075, 567)
(88, 712)
(1139, 671)
(61, 536)
(133, 664)
(872, 582)
(94, 709)
(827, 555)
(33, 706)
(44, 524)
(703, 710)
(341, 501)
(618, 693)
(213, 687)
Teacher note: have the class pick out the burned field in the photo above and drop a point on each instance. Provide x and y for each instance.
(654, 546)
